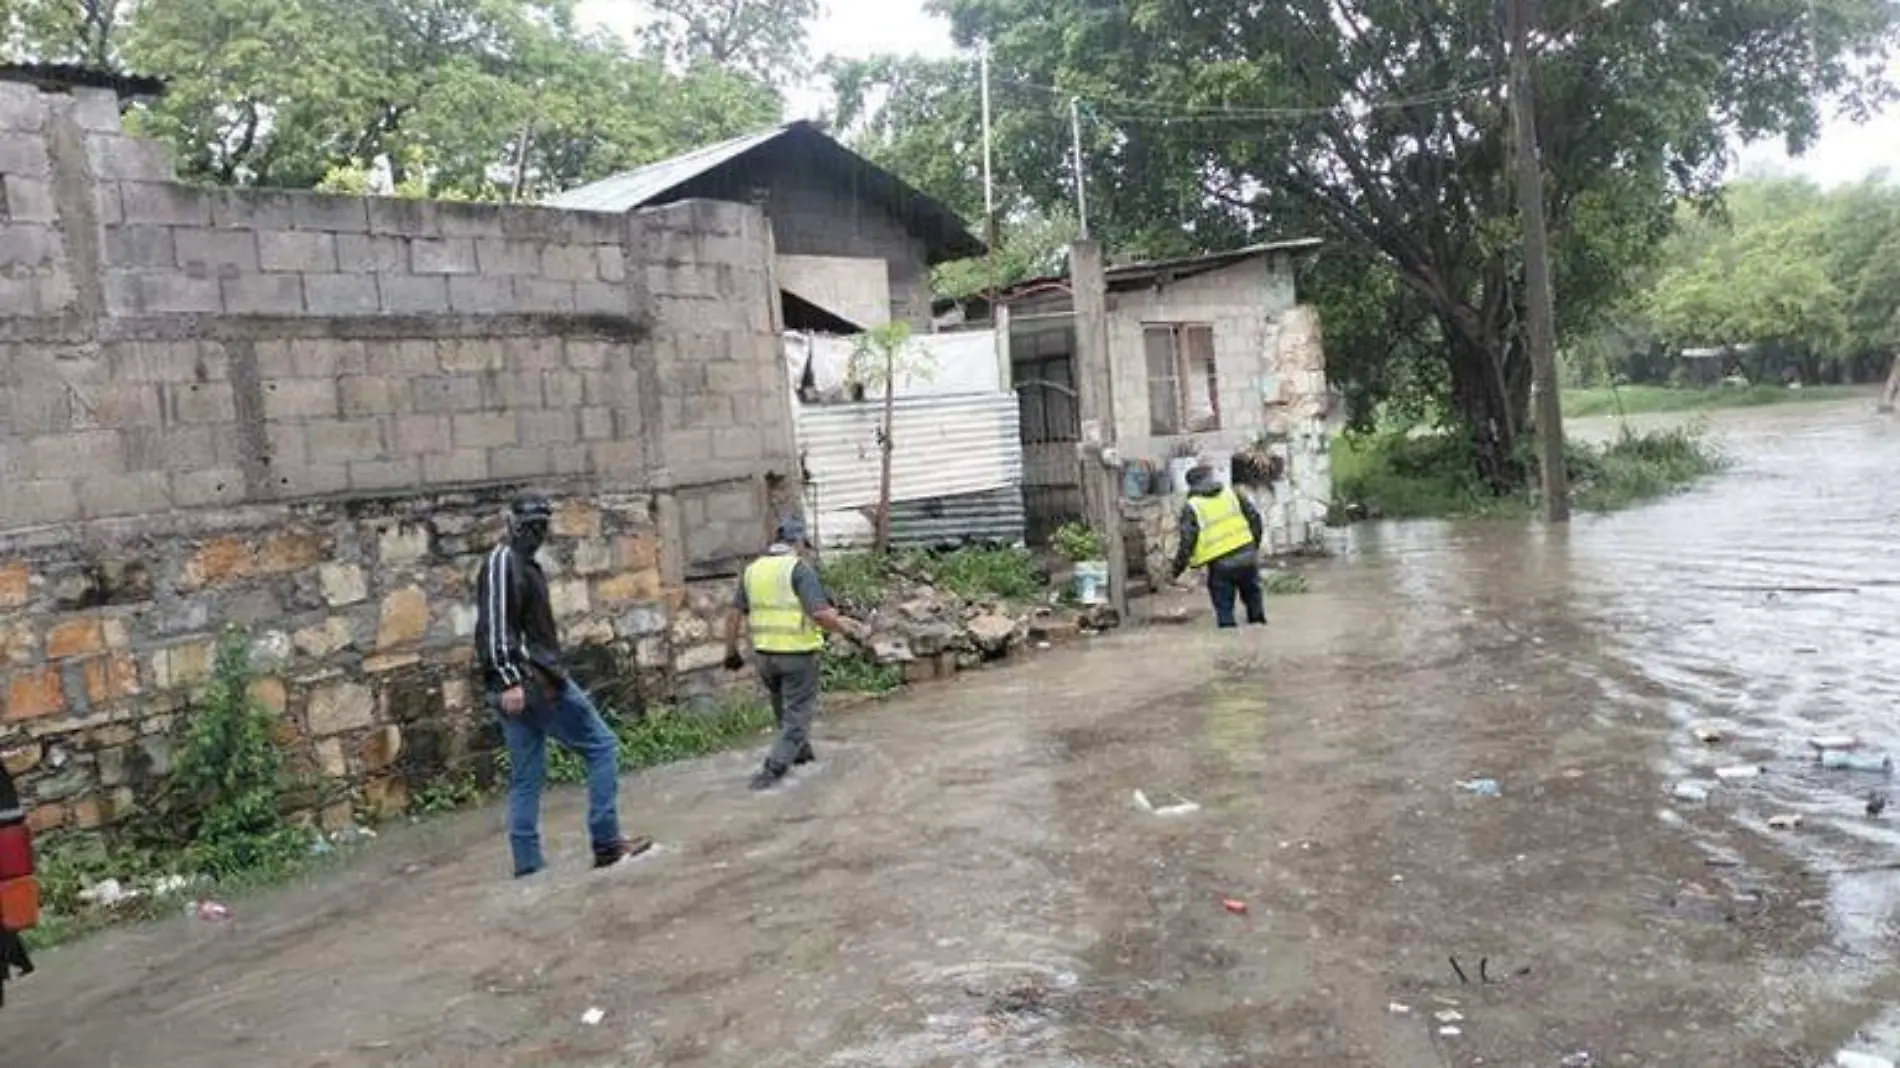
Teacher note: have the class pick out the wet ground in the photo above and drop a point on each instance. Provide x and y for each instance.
(965, 880)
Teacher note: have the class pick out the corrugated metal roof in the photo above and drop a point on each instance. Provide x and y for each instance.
(642, 185)
(947, 447)
(1122, 276)
(943, 232)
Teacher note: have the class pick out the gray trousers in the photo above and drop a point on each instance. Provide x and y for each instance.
(792, 680)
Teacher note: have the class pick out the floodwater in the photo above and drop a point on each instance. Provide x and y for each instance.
(964, 879)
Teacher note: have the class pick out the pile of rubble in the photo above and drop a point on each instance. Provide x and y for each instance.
(934, 633)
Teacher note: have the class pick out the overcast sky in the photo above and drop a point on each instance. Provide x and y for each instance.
(858, 28)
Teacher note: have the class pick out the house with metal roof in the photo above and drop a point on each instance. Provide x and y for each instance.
(855, 242)
(1212, 359)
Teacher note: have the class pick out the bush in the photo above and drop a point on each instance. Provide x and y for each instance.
(850, 671)
(663, 735)
(1078, 542)
(225, 795)
(862, 580)
(1402, 476)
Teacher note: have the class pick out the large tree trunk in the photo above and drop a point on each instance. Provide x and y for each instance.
(1491, 397)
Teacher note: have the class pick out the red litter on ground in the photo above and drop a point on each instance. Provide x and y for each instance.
(1234, 905)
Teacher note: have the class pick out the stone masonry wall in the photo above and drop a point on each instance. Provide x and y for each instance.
(302, 415)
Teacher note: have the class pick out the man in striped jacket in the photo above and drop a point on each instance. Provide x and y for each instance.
(520, 652)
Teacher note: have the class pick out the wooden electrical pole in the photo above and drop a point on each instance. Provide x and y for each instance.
(1095, 397)
(1537, 294)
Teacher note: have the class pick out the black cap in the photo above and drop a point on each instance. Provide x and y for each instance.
(531, 506)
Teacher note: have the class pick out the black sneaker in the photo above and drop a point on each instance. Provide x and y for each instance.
(805, 755)
(768, 777)
(626, 847)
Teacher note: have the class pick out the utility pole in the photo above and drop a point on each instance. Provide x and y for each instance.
(1530, 209)
(1095, 397)
(1081, 179)
(989, 181)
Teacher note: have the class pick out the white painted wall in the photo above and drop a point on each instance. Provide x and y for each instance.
(1271, 366)
(943, 365)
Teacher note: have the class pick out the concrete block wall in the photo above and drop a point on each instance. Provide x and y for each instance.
(302, 414)
(1271, 371)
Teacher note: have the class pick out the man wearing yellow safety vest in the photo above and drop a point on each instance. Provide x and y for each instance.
(781, 601)
(1220, 531)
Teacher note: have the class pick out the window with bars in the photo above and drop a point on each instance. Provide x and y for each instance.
(1183, 386)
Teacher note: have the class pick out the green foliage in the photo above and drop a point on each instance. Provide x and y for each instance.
(1383, 128)
(1078, 542)
(859, 581)
(1638, 467)
(446, 794)
(847, 670)
(664, 734)
(224, 796)
(884, 352)
(1395, 475)
(977, 573)
(1639, 400)
(923, 119)
(1807, 279)
(856, 581)
(426, 97)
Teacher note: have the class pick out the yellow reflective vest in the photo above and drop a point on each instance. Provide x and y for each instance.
(773, 612)
(1223, 526)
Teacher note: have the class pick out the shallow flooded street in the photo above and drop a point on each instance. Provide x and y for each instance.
(965, 879)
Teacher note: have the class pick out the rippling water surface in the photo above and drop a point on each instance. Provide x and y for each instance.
(1764, 605)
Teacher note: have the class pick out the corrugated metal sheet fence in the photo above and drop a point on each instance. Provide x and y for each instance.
(956, 470)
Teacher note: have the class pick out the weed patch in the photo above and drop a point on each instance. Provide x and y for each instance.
(1416, 476)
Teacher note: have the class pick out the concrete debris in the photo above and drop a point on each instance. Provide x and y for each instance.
(1693, 792)
(1848, 1058)
(1784, 822)
(1824, 742)
(891, 649)
(1448, 1016)
(106, 893)
(992, 633)
(1181, 807)
(1482, 787)
(1399, 1009)
(1738, 772)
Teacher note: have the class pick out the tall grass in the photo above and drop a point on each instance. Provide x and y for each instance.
(1641, 400)
(1404, 476)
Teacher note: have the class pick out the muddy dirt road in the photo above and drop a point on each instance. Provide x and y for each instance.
(965, 881)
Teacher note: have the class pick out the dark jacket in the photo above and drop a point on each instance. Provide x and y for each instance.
(514, 622)
(1191, 533)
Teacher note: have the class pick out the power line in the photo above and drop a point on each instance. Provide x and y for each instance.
(1134, 110)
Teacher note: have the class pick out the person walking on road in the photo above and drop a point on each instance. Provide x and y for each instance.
(781, 601)
(520, 653)
(1221, 531)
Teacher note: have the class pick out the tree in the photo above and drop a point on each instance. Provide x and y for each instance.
(878, 357)
(763, 38)
(1792, 271)
(922, 118)
(1381, 125)
(434, 97)
(84, 32)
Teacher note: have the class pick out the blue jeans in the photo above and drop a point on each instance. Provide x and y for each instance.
(571, 719)
(1228, 579)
